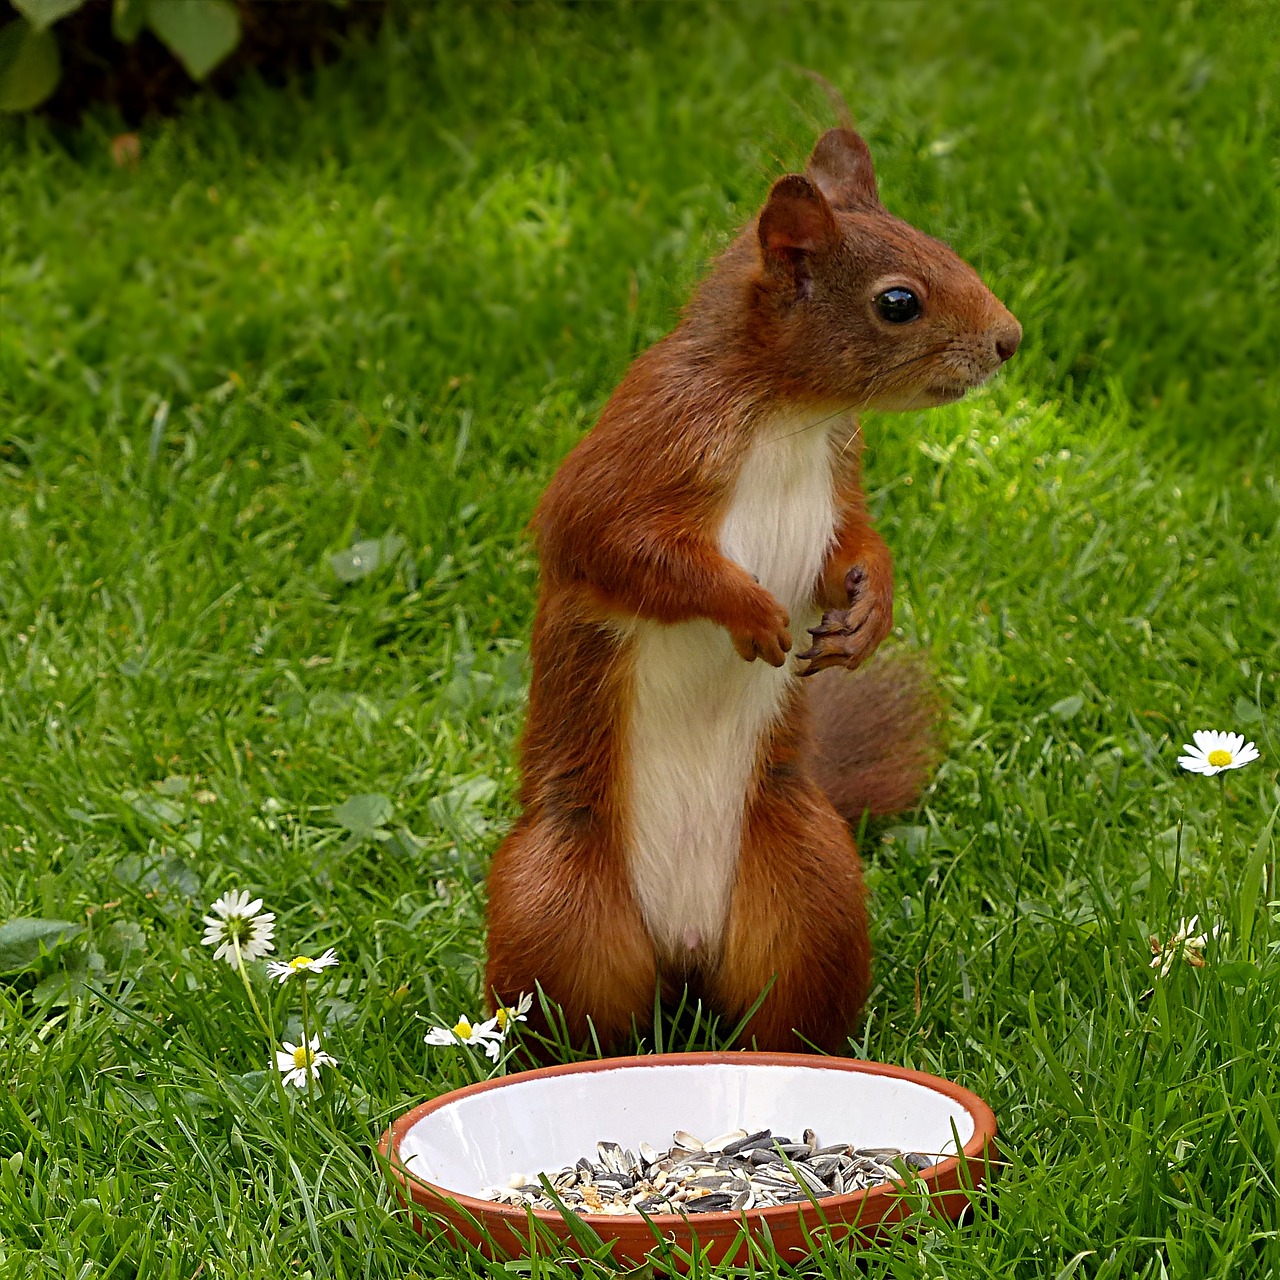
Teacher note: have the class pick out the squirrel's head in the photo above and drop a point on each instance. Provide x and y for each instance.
(856, 306)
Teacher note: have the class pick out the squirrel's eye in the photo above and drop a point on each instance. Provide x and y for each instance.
(897, 306)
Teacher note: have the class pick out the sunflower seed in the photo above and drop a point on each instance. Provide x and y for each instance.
(747, 1141)
(715, 1203)
(732, 1173)
(812, 1181)
(717, 1145)
(686, 1141)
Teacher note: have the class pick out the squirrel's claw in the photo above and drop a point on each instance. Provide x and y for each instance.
(854, 581)
(841, 639)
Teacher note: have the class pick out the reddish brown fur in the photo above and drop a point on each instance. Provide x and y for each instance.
(884, 766)
(628, 529)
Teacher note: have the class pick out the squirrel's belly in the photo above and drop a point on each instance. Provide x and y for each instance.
(700, 716)
(697, 717)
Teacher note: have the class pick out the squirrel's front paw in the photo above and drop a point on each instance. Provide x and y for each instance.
(848, 637)
(765, 636)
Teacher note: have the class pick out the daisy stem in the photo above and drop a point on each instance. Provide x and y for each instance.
(306, 1031)
(1222, 818)
(253, 1000)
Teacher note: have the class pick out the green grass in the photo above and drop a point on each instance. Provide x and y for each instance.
(391, 299)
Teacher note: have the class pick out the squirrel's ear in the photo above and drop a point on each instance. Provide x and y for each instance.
(841, 167)
(796, 219)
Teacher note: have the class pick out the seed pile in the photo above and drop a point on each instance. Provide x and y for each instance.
(729, 1174)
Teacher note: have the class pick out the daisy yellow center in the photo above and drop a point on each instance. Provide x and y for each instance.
(462, 1029)
(299, 962)
(1218, 758)
(502, 1016)
(303, 1057)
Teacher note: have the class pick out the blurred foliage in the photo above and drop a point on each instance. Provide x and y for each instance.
(139, 55)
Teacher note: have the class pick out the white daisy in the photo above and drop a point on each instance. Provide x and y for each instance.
(1213, 752)
(1184, 943)
(507, 1014)
(295, 1060)
(483, 1035)
(285, 969)
(235, 920)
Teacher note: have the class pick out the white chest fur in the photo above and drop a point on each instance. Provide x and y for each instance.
(700, 715)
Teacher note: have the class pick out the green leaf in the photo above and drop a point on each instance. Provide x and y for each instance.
(29, 65)
(24, 940)
(363, 558)
(403, 843)
(1269, 1123)
(61, 987)
(122, 945)
(460, 810)
(127, 19)
(199, 33)
(153, 808)
(1247, 712)
(166, 877)
(1067, 1091)
(1251, 882)
(364, 815)
(1074, 1265)
(914, 840)
(1068, 707)
(1238, 973)
(43, 13)
(584, 1234)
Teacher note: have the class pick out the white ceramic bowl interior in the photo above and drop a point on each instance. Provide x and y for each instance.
(480, 1141)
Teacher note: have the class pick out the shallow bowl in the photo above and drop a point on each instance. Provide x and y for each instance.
(444, 1153)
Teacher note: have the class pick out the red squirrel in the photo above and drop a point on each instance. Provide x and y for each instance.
(688, 778)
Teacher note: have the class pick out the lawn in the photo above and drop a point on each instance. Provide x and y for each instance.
(381, 304)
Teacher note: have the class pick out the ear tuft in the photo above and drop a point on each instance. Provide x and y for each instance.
(796, 219)
(842, 169)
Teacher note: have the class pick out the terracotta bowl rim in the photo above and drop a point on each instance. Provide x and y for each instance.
(605, 1224)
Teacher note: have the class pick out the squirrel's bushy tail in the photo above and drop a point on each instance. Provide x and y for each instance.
(876, 735)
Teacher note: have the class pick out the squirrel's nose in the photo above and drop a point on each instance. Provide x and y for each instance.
(1007, 335)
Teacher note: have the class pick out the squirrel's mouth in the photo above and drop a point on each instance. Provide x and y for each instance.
(946, 392)
(928, 395)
